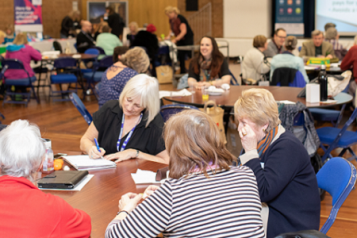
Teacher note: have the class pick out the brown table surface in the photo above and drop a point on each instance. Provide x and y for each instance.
(228, 98)
(99, 198)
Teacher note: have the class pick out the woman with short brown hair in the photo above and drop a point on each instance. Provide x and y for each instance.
(204, 196)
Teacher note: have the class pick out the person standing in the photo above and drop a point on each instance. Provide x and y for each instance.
(182, 31)
(115, 22)
(67, 26)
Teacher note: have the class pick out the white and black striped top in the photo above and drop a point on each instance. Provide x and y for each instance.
(225, 205)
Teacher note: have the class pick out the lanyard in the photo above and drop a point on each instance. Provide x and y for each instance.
(129, 135)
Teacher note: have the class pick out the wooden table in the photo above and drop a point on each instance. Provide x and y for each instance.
(228, 98)
(100, 196)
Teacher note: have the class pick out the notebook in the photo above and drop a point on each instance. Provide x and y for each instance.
(62, 179)
(83, 162)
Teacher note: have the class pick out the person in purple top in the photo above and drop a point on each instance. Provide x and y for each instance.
(114, 79)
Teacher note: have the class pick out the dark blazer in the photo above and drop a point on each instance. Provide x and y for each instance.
(308, 49)
(147, 40)
(84, 42)
(116, 23)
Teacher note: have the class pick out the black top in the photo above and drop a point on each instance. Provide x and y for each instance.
(116, 23)
(175, 24)
(130, 38)
(148, 140)
(84, 42)
(288, 185)
(147, 40)
(67, 25)
(224, 71)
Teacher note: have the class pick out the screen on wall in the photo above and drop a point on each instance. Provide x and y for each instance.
(341, 12)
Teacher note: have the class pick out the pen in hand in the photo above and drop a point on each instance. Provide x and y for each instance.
(97, 145)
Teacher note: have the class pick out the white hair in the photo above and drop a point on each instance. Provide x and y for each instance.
(148, 89)
(21, 149)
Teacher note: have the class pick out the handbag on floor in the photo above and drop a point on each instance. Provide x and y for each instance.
(164, 74)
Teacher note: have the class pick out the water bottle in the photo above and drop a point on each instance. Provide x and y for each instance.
(48, 166)
(323, 83)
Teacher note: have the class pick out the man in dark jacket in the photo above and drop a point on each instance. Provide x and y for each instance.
(84, 38)
(115, 22)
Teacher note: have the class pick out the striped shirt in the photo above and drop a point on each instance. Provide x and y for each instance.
(227, 204)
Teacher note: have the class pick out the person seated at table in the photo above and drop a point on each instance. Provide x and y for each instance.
(348, 62)
(276, 45)
(98, 29)
(133, 28)
(67, 26)
(317, 47)
(21, 50)
(118, 52)
(130, 128)
(286, 179)
(204, 197)
(84, 38)
(254, 65)
(332, 37)
(209, 67)
(288, 59)
(107, 41)
(10, 34)
(114, 79)
(148, 40)
(26, 211)
(329, 25)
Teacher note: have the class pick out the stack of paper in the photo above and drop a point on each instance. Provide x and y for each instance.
(144, 177)
(182, 93)
(83, 162)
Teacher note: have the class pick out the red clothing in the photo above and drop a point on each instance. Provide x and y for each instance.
(25, 211)
(350, 60)
(25, 54)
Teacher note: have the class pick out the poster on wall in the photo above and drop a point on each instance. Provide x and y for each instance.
(290, 16)
(96, 10)
(28, 15)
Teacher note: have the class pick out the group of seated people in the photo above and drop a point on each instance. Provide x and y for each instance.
(273, 190)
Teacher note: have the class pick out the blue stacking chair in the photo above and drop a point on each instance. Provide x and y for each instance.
(234, 81)
(24, 82)
(100, 49)
(66, 73)
(97, 72)
(77, 102)
(338, 178)
(329, 115)
(338, 138)
(167, 111)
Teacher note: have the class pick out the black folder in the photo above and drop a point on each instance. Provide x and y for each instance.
(62, 179)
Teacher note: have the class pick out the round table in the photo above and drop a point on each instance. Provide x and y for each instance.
(228, 98)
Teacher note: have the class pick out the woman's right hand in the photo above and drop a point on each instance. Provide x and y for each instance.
(94, 153)
(150, 190)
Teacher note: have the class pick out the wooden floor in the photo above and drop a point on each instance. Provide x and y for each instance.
(63, 124)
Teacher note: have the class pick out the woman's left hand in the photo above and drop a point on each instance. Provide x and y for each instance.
(129, 201)
(122, 155)
(248, 138)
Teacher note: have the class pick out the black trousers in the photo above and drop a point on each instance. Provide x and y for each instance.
(181, 54)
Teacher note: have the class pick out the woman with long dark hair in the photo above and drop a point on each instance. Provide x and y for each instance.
(209, 67)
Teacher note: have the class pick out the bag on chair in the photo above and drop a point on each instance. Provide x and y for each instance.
(164, 74)
(216, 113)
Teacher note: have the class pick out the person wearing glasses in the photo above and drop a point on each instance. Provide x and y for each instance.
(276, 45)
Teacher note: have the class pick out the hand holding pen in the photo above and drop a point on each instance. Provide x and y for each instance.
(96, 152)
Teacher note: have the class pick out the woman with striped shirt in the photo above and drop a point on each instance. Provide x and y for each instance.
(204, 197)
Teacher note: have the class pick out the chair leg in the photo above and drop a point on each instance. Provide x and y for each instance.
(34, 93)
(327, 153)
(352, 153)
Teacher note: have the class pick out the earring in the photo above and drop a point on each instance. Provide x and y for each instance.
(264, 130)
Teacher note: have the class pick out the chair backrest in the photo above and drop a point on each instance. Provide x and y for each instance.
(100, 49)
(65, 62)
(92, 51)
(77, 102)
(234, 81)
(106, 62)
(57, 46)
(338, 177)
(167, 111)
(14, 64)
(283, 76)
(299, 80)
(75, 46)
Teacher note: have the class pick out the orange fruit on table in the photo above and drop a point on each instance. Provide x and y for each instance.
(57, 164)
(58, 161)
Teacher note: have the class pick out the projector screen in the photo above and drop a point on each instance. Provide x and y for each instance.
(341, 12)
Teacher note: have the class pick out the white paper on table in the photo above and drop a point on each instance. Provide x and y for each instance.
(311, 67)
(286, 102)
(334, 65)
(78, 187)
(183, 92)
(145, 177)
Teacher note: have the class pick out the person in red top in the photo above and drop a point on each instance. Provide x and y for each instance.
(350, 61)
(25, 211)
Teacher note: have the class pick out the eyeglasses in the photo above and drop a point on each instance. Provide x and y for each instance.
(282, 37)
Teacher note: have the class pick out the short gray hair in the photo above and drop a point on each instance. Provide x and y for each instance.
(21, 149)
(331, 33)
(148, 89)
(316, 33)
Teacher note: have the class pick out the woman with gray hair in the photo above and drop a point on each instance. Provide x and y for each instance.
(26, 211)
(130, 128)
(288, 60)
(286, 180)
(131, 63)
